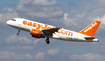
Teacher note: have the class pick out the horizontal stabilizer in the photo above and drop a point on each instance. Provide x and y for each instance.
(89, 38)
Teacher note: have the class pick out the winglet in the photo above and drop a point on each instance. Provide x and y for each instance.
(91, 29)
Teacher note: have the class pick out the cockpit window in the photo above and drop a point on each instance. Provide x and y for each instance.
(13, 19)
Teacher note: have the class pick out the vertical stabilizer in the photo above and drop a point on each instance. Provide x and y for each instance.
(91, 29)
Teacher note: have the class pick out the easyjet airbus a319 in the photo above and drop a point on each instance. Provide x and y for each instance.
(40, 30)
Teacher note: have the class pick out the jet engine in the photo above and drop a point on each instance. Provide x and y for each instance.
(37, 33)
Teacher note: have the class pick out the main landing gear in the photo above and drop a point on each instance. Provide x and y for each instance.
(18, 33)
(47, 41)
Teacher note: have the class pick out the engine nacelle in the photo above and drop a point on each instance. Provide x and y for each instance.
(36, 33)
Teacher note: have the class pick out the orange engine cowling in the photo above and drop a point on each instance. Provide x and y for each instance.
(35, 33)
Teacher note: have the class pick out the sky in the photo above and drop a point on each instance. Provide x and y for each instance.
(69, 14)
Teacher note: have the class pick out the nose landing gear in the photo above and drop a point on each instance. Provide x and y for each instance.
(18, 33)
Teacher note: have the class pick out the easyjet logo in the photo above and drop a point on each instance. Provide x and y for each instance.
(44, 26)
(37, 25)
(90, 27)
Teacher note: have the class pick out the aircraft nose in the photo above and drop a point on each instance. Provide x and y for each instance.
(8, 22)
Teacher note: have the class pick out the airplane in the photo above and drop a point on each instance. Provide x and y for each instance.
(40, 30)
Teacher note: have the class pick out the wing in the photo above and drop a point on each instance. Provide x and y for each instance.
(49, 32)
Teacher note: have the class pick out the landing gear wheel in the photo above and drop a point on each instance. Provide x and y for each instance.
(18, 33)
(47, 41)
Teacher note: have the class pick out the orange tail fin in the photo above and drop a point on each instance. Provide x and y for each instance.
(91, 29)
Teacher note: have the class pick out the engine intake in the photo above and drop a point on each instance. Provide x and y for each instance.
(36, 33)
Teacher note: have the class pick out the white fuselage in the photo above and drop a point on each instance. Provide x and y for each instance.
(62, 34)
